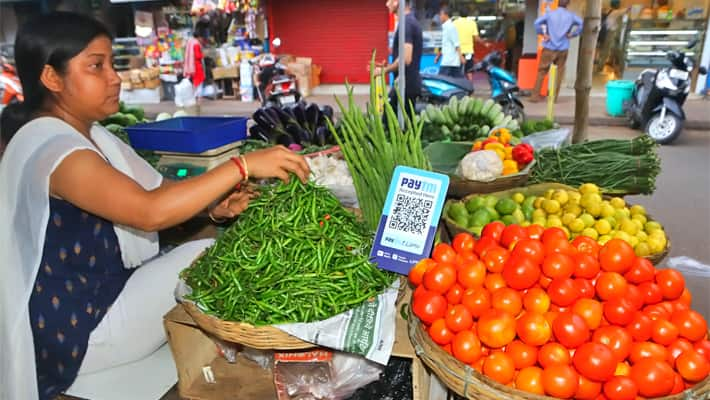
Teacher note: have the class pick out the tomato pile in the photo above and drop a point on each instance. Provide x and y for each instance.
(531, 310)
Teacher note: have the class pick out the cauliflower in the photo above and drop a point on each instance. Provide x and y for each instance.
(482, 166)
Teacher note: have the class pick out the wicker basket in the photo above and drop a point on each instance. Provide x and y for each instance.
(460, 187)
(537, 189)
(469, 383)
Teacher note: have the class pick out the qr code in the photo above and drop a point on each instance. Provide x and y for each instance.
(410, 214)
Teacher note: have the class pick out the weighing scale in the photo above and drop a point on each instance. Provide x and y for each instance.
(179, 166)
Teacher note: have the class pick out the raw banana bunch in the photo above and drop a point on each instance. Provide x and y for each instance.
(465, 119)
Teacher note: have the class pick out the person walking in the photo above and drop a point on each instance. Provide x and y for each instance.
(557, 27)
(450, 55)
(609, 35)
(468, 34)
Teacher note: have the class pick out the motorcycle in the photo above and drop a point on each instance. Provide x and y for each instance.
(10, 87)
(658, 96)
(276, 86)
(439, 89)
(504, 86)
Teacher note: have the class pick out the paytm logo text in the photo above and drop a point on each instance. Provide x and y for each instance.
(418, 185)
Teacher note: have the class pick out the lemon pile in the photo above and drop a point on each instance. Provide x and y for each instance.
(585, 212)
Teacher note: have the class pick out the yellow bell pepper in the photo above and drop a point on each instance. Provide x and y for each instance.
(508, 153)
(477, 145)
(495, 146)
(500, 152)
(510, 167)
(503, 135)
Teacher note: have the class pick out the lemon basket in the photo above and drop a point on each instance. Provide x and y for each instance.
(470, 384)
(541, 189)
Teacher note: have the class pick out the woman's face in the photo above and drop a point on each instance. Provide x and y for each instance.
(91, 85)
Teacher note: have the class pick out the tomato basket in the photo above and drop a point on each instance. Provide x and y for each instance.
(471, 384)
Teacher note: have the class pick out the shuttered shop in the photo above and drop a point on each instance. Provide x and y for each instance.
(339, 35)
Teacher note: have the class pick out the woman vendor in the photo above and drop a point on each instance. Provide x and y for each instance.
(81, 288)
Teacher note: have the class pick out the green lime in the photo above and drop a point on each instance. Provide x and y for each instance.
(461, 221)
(491, 201)
(474, 203)
(479, 218)
(528, 211)
(492, 213)
(530, 201)
(458, 211)
(476, 230)
(508, 220)
(506, 206)
(518, 216)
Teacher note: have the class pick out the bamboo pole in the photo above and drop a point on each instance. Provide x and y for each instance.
(585, 67)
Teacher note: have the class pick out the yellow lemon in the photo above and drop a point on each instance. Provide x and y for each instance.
(591, 233)
(623, 236)
(573, 209)
(642, 236)
(602, 226)
(595, 209)
(607, 210)
(629, 227)
(574, 197)
(551, 206)
(588, 188)
(633, 241)
(519, 197)
(658, 233)
(587, 219)
(567, 218)
(618, 202)
(612, 222)
(539, 214)
(590, 198)
(553, 221)
(642, 249)
(540, 221)
(538, 202)
(639, 225)
(603, 239)
(619, 215)
(525, 224)
(640, 218)
(561, 196)
(651, 226)
(577, 225)
(638, 210)
(549, 193)
(655, 245)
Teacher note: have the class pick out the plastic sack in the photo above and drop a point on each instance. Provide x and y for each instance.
(697, 280)
(351, 373)
(554, 138)
(185, 95)
(395, 383)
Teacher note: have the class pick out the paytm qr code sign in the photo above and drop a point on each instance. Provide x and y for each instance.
(409, 219)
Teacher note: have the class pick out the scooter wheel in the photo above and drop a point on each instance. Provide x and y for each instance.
(666, 130)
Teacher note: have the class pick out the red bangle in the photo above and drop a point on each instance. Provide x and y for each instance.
(242, 170)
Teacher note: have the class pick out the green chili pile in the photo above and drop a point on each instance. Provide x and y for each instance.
(616, 166)
(295, 255)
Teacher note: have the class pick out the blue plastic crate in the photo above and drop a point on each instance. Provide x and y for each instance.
(187, 134)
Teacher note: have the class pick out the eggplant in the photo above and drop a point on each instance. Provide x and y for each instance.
(327, 111)
(300, 112)
(320, 137)
(285, 140)
(312, 116)
(299, 134)
(257, 132)
(271, 112)
(263, 119)
(284, 117)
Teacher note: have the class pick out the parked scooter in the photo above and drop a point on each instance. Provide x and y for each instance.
(504, 86)
(10, 87)
(439, 89)
(275, 85)
(657, 101)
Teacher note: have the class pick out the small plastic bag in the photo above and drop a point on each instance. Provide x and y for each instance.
(185, 95)
(554, 138)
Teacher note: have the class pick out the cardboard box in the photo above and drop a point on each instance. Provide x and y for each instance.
(225, 72)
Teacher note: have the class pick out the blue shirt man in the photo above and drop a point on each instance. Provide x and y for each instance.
(557, 27)
(450, 46)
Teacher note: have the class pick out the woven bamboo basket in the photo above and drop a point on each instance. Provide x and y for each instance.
(470, 384)
(538, 189)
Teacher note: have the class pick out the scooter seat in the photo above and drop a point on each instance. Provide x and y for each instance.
(462, 83)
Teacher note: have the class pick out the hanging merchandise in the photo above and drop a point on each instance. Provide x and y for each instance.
(246, 87)
(201, 7)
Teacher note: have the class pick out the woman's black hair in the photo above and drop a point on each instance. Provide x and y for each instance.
(51, 39)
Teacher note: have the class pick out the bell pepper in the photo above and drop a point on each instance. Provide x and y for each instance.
(500, 153)
(508, 152)
(510, 167)
(494, 146)
(503, 135)
(523, 154)
(489, 140)
(477, 145)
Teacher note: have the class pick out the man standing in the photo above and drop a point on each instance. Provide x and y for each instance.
(468, 34)
(557, 27)
(413, 43)
(450, 54)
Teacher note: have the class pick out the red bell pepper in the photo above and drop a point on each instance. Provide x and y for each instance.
(523, 154)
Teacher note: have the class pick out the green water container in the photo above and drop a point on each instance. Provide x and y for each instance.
(617, 92)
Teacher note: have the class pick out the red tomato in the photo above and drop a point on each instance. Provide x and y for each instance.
(678, 384)
(590, 310)
(651, 293)
(530, 380)
(440, 333)
(671, 283)
(642, 350)
(653, 378)
(677, 348)
(477, 300)
(535, 231)
(618, 311)
(551, 233)
(657, 311)
(563, 292)
(685, 297)
(459, 318)
(500, 367)
(419, 291)
(615, 338)
(466, 347)
(558, 266)
(494, 281)
(586, 245)
(465, 258)
(587, 389)
(533, 329)
(663, 332)
(444, 253)
(512, 234)
(440, 278)
(691, 324)
(454, 295)
(560, 246)
(495, 258)
(553, 353)
(595, 361)
(508, 300)
(616, 256)
(416, 274)
(570, 329)
(640, 327)
(529, 249)
(641, 271)
(634, 296)
(560, 380)
(519, 272)
(620, 388)
(692, 366)
(610, 285)
(493, 230)
(523, 355)
(429, 306)
(536, 300)
(496, 328)
(544, 281)
(586, 266)
(463, 243)
(483, 244)
(472, 274)
(585, 288)
(703, 347)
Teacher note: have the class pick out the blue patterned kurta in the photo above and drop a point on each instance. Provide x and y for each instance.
(80, 276)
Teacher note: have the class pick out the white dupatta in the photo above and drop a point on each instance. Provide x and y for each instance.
(29, 160)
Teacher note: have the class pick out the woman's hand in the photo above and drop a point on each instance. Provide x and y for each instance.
(276, 162)
(232, 206)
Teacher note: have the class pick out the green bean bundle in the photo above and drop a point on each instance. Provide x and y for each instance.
(295, 255)
(373, 146)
